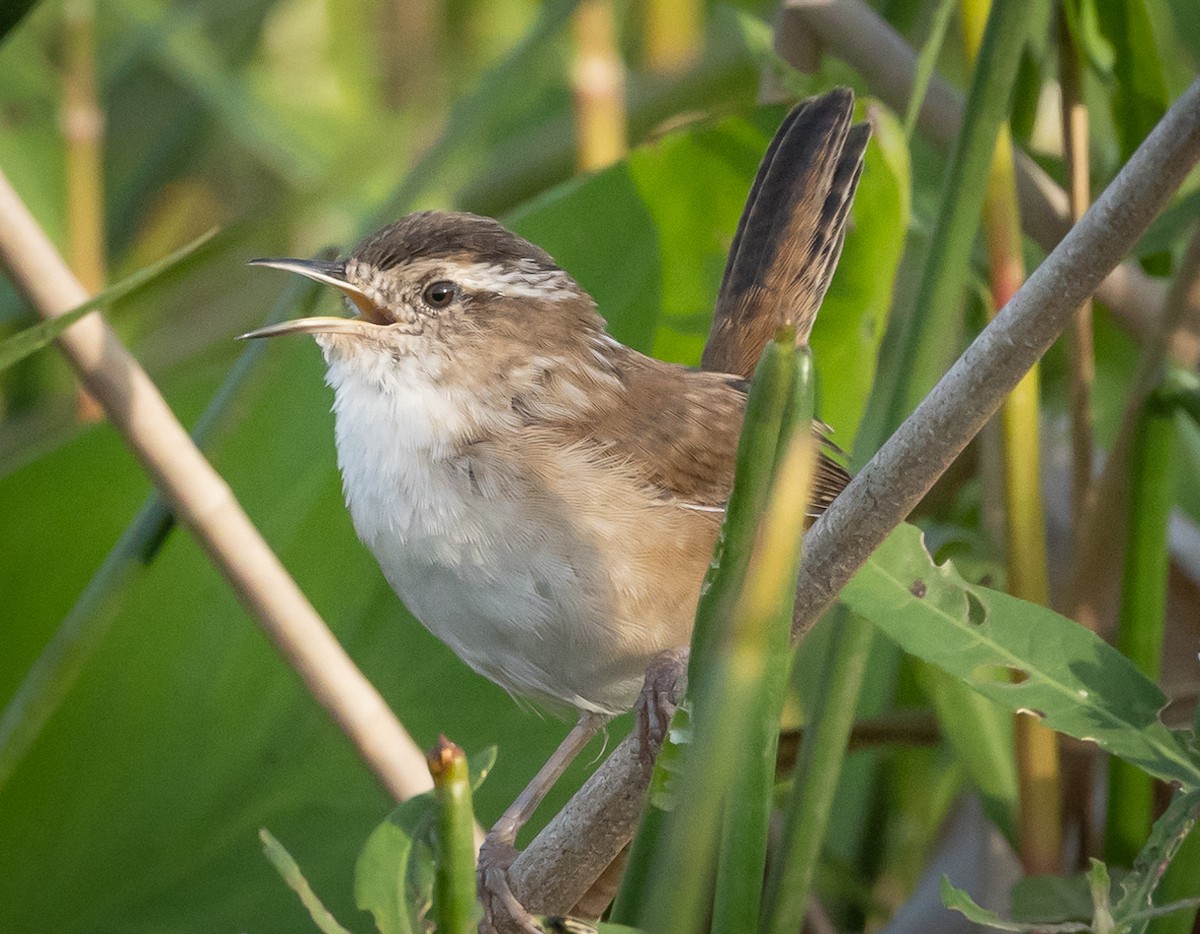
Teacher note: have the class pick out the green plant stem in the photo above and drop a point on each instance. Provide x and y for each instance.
(742, 859)
(1081, 360)
(598, 83)
(454, 903)
(926, 63)
(289, 870)
(769, 393)
(1143, 607)
(1038, 773)
(1180, 881)
(733, 648)
(673, 34)
(815, 777)
(926, 340)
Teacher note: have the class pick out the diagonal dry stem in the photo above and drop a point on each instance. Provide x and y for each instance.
(204, 503)
(887, 63)
(905, 468)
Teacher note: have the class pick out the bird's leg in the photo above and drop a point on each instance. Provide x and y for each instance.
(498, 852)
(517, 816)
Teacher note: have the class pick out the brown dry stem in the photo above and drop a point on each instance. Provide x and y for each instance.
(205, 504)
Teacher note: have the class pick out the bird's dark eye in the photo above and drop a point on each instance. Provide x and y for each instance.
(440, 294)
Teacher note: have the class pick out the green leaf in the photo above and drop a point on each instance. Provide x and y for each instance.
(1141, 95)
(288, 868)
(958, 900)
(1166, 837)
(31, 340)
(1066, 675)
(1101, 888)
(393, 879)
(1084, 23)
(1053, 899)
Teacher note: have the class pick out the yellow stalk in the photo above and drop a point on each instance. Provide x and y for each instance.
(674, 32)
(1037, 755)
(599, 85)
(82, 126)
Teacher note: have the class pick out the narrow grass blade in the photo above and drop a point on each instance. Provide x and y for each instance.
(926, 61)
(815, 777)
(286, 866)
(31, 340)
(49, 679)
(1143, 611)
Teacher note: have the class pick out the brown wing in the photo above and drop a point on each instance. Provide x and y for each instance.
(791, 232)
(682, 436)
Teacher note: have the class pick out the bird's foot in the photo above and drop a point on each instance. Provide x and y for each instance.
(502, 912)
(661, 692)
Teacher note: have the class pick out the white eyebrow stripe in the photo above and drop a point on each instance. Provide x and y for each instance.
(526, 280)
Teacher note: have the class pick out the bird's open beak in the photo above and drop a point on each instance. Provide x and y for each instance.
(331, 273)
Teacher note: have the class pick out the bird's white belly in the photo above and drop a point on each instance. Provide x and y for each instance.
(508, 591)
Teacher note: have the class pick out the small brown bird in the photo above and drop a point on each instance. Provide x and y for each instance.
(543, 498)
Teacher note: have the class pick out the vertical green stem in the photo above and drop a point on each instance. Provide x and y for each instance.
(734, 650)
(1038, 771)
(1143, 606)
(454, 903)
(743, 855)
(925, 342)
(815, 777)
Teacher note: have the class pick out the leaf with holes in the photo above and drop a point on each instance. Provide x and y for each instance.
(1021, 655)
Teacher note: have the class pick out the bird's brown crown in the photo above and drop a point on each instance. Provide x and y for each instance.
(456, 237)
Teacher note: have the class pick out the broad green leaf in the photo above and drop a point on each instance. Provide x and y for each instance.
(289, 870)
(1062, 673)
(33, 339)
(185, 732)
(1052, 899)
(958, 900)
(391, 873)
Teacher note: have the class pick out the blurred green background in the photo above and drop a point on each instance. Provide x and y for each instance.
(297, 125)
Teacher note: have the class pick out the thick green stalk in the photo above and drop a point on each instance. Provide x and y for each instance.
(770, 393)
(1143, 607)
(743, 856)
(815, 777)
(739, 623)
(926, 341)
(454, 904)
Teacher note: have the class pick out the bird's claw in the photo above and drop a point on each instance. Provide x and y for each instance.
(502, 912)
(660, 695)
